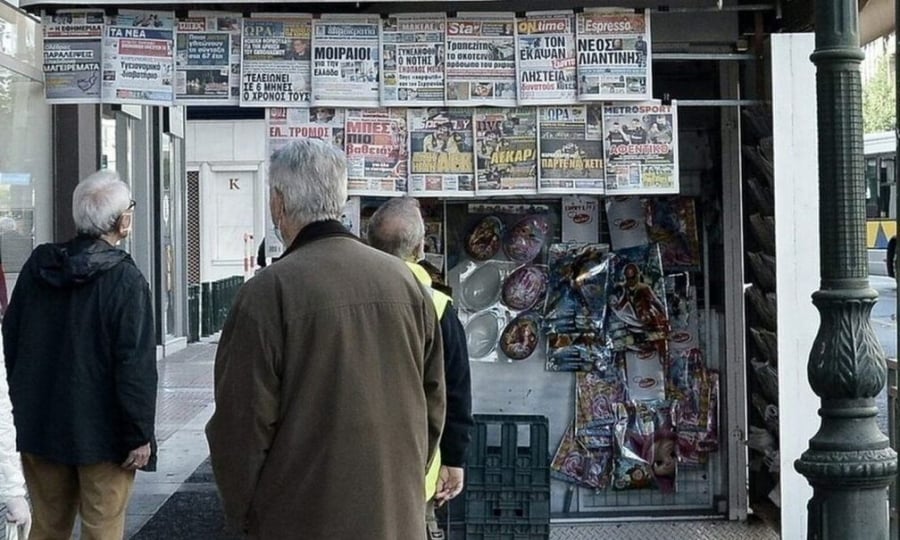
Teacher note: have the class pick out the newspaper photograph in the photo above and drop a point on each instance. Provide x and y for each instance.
(139, 58)
(72, 56)
(376, 148)
(641, 148)
(481, 60)
(570, 143)
(442, 156)
(613, 55)
(545, 58)
(275, 61)
(346, 61)
(208, 59)
(412, 60)
(506, 151)
(284, 125)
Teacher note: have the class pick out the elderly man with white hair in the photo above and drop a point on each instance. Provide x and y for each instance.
(80, 351)
(397, 228)
(329, 380)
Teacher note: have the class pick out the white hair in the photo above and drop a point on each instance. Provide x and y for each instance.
(311, 176)
(98, 201)
(397, 228)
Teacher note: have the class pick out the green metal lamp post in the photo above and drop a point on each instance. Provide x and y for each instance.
(849, 462)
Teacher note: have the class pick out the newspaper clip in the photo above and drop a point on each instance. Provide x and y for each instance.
(666, 99)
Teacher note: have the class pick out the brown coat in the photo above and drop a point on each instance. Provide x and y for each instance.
(329, 395)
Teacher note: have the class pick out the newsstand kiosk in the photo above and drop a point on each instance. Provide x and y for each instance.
(599, 190)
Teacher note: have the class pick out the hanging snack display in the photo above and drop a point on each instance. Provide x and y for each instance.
(521, 336)
(637, 305)
(524, 240)
(484, 240)
(482, 333)
(672, 223)
(481, 288)
(574, 462)
(525, 287)
(575, 311)
(499, 264)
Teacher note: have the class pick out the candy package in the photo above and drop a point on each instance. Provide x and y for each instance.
(672, 223)
(575, 463)
(637, 307)
(596, 394)
(633, 437)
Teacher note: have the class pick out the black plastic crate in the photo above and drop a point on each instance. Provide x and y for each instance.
(509, 451)
(525, 507)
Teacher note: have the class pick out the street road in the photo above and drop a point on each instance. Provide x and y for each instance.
(884, 322)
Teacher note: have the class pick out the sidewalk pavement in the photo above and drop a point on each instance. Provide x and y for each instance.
(184, 405)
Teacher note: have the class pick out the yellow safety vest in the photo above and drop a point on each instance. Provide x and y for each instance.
(441, 301)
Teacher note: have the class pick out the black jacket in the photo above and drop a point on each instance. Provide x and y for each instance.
(80, 354)
(458, 423)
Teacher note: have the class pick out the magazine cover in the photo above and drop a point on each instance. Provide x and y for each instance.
(613, 55)
(506, 151)
(346, 61)
(481, 60)
(139, 58)
(545, 58)
(72, 56)
(376, 148)
(641, 148)
(571, 156)
(275, 61)
(412, 60)
(442, 157)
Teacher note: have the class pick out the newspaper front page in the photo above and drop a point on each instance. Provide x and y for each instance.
(613, 55)
(442, 157)
(208, 59)
(346, 61)
(412, 56)
(571, 150)
(376, 148)
(284, 125)
(481, 60)
(545, 58)
(72, 56)
(275, 61)
(506, 151)
(641, 148)
(139, 58)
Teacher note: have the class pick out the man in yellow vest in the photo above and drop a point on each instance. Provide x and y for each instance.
(397, 228)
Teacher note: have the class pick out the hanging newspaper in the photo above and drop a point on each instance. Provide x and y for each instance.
(506, 151)
(346, 54)
(571, 148)
(481, 60)
(284, 125)
(376, 149)
(641, 148)
(545, 58)
(72, 44)
(208, 59)
(275, 61)
(139, 58)
(613, 55)
(412, 55)
(442, 158)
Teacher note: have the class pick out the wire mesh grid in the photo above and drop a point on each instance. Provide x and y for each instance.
(693, 490)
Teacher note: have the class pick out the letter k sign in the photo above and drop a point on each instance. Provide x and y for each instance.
(233, 184)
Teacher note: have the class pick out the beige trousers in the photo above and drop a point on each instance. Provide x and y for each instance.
(99, 493)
